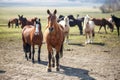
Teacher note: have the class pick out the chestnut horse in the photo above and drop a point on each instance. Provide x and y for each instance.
(54, 37)
(88, 29)
(13, 21)
(103, 22)
(24, 21)
(66, 26)
(31, 36)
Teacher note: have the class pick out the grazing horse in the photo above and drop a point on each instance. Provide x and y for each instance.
(66, 26)
(103, 22)
(31, 36)
(24, 21)
(88, 29)
(13, 21)
(54, 37)
(110, 20)
(116, 20)
(73, 22)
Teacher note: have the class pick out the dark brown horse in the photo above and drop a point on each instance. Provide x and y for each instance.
(24, 21)
(103, 22)
(31, 36)
(54, 37)
(116, 20)
(14, 21)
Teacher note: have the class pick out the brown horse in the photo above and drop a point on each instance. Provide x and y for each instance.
(103, 22)
(13, 21)
(54, 37)
(24, 21)
(31, 36)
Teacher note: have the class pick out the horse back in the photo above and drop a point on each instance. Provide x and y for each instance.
(26, 32)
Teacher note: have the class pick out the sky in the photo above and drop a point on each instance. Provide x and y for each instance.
(42, 2)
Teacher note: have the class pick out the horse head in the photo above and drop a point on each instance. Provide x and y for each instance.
(66, 19)
(22, 20)
(37, 26)
(52, 20)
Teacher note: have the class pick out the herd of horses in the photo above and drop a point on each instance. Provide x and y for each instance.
(56, 32)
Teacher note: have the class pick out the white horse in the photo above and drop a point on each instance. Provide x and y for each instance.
(88, 29)
(66, 26)
(110, 20)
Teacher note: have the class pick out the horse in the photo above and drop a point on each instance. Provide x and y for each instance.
(110, 20)
(73, 22)
(103, 22)
(116, 20)
(31, 36)
(24, 21)
(13, 21)
(88, 29)
(54, 38)
(66, 26)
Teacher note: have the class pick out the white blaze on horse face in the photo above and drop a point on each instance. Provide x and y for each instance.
(37, 29)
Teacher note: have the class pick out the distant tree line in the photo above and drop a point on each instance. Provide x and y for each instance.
(110, 6)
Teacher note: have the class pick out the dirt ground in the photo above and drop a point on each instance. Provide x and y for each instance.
(95, 61)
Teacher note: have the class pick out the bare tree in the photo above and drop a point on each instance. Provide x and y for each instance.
(110, 6)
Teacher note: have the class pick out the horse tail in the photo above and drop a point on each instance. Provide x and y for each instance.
(26, 47)
(9, 24)
(61, 51)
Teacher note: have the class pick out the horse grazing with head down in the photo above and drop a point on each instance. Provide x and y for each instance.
(31, 36)
(54, 37)
(24, 21)
(88, 29)
(103, 22)
(117, 22)
(66, 26)
(13, 21)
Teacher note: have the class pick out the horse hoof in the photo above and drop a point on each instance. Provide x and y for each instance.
(33, 61)
(57, 69)
(39, 61)
(53, 65)
(49, 70)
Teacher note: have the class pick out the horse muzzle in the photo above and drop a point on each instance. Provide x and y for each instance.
(51, 29)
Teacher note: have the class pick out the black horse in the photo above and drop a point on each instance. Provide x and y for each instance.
(73, 22)
(117, 22)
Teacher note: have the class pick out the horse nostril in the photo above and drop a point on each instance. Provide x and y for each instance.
(51, 29)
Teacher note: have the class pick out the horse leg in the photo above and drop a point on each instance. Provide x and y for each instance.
(86, 38)
(33, 51)
(30, 53)
(57, 61)
(49, 62)
(118, 30)
(99, 29)
(105, 29)
(24, 47)
(67, 37)
(53, 60)
(89, 37)
(39, 50)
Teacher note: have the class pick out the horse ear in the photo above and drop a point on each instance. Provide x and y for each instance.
(48, 11)
(55, 11)
(18, 15)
